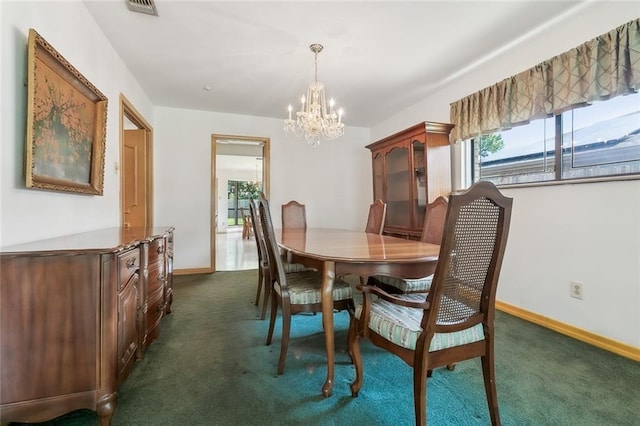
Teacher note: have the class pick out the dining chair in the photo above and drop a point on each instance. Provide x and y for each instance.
(294, 215)
(431, 233)
(247, 227)
(295, 292)
(375, 223)
(454, 322)
(264, 280)
(377, 215)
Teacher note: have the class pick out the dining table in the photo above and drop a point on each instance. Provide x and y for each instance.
(339, 252)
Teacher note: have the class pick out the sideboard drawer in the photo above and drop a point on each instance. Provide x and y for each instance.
(156, 277)
(128, 265)
(156, 251)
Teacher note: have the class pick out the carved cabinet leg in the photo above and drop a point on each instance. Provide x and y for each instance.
(105, 408)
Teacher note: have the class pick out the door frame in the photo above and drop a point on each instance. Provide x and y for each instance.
(266, 149)
(129, 112)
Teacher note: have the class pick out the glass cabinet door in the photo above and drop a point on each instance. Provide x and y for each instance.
(378, 178)
(398, 192)
(419, 184)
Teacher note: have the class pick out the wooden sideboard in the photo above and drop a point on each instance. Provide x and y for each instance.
(76, 312)
(411, 169)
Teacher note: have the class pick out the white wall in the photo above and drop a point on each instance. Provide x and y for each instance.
(27, 214)
(333, 180)
(588, 233)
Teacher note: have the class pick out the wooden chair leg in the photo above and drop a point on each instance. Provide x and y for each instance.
(260, 279)
(272, 319)
(267, 295)
(356, 356)
(488, 373)
(420, 373)
(284, 344)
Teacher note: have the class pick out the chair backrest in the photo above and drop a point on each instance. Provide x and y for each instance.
(294, 215)
(377, 215)
(276, 267)
(258, 233)
(433, 227)
(464, 284)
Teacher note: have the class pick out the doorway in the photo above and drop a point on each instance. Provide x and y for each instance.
(239, 172)
(136, 168)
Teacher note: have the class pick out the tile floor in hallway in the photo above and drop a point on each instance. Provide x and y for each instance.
(233, 253)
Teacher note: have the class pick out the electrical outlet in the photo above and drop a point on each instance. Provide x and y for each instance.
(575, 290)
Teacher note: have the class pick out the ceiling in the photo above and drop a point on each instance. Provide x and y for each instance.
(253, 58)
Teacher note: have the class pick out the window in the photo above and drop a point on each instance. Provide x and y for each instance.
(598, 140)
(239, 192)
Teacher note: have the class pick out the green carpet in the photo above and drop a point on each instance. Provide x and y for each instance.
(210, 366)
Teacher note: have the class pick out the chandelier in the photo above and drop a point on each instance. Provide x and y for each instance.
(314, 120)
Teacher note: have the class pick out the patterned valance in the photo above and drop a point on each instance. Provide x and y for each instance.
(607, 66)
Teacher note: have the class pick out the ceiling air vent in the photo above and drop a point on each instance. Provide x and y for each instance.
(142, 6)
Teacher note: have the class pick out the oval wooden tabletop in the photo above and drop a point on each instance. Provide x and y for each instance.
(355, 246)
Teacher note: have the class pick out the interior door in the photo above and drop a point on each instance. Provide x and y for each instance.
(134, 171)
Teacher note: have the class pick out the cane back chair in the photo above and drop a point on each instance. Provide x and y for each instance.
(377, 215)
(455, 321)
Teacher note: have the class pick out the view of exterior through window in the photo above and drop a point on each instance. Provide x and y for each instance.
(598, 140)
(239, 192)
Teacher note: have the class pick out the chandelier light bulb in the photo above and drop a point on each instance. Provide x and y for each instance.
(314, 120)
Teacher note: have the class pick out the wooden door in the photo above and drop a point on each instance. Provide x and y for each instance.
(135, 172)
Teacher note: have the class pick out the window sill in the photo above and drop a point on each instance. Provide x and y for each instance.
(571, 181)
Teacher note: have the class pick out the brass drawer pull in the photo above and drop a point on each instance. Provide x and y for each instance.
(160, 250)
(131, 263)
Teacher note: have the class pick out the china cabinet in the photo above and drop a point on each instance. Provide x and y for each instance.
(411, 168)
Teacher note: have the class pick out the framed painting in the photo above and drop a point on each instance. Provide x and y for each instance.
(66, 124)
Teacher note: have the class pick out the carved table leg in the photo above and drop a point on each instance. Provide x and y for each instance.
(328, 275)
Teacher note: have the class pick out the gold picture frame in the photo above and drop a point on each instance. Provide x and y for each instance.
(66, 124)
